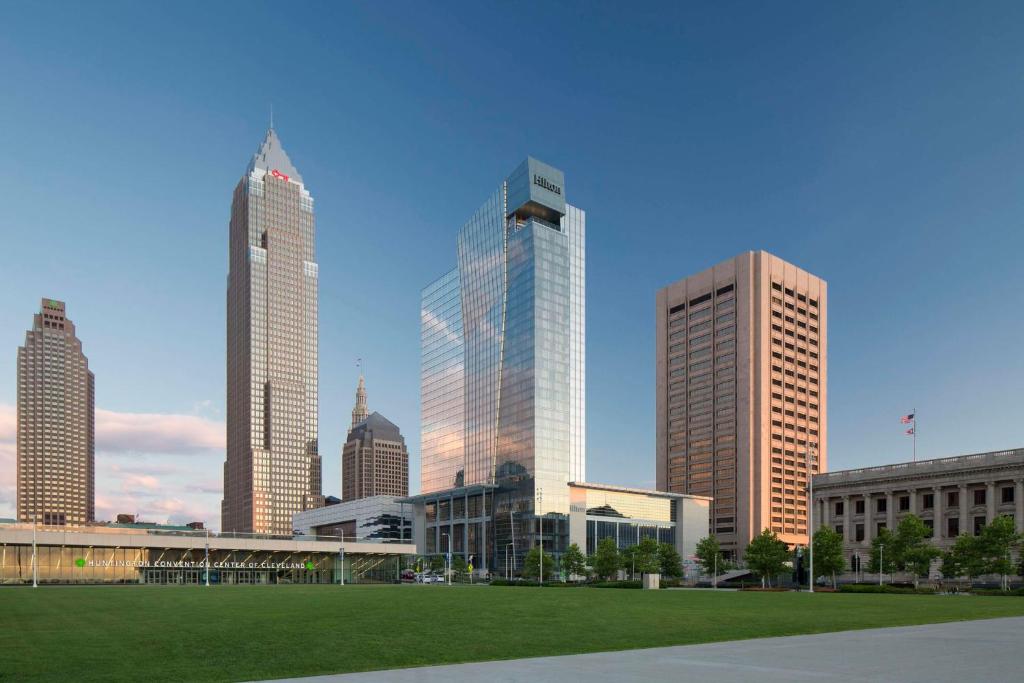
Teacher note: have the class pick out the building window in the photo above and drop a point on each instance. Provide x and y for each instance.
(930, 523)
(953, 499)
(881, 505)
(979, 496)
(839, 513)
(952, 527)
(927, 503)
(858, 508)
(858, 534)
(1007, 498)
(979, 523)
(904, 506)
(839, 530)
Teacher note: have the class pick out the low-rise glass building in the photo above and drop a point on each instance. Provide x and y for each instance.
(112, 555)
(464, 520)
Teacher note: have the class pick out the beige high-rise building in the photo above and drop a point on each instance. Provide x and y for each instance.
(56, 423)
(272, 468)
(741, 394)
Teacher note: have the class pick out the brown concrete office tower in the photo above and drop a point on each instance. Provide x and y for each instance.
(56, 423)
(374, 460)
(273, 468)
(741, 396)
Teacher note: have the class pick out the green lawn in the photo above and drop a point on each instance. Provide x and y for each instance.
(179, 633)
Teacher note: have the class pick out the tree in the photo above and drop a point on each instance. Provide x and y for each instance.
(458, 565)
(709, 554)
(647, 556)
(436, 563)
(997, 540)
(913, 552)
(883, 547)
(606, 560)
(766, 556)
(531, 565)
(671, 563)
(963, 559)
(573, 561)
(828, 553)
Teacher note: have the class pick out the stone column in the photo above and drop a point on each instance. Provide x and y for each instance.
(965, 524)
(940, 522)
(848, 520)
(913, 500)
(1018, 499)
(890, 511)
(826, 515)
(869, 518)
(990, 502)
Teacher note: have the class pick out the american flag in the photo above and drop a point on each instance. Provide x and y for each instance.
(907, 419)
(910, 432)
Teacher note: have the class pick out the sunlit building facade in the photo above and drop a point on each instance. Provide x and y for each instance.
(113, 554)
(503, 359)
(56, 471)
(273, 466)
(742, 358)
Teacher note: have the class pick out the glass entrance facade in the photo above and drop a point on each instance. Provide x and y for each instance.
(104, 565)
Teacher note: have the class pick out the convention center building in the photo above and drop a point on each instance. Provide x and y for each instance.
(180, 555)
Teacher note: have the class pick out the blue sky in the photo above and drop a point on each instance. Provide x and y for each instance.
(879, 146)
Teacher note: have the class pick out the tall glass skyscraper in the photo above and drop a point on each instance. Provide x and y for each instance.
(273, 465)
(503, 358)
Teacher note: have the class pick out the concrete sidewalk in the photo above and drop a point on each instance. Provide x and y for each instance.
(975, 651)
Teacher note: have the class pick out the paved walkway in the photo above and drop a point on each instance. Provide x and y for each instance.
(976, 651)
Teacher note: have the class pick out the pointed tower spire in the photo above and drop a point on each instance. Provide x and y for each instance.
(360, 412)
(272, 157)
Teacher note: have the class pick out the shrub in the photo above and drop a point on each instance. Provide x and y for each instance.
(887, 589)
(617, 584)
(1018, 592)
(534, 584)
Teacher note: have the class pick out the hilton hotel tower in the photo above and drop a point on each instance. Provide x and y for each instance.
(273, 466)
(741, 394)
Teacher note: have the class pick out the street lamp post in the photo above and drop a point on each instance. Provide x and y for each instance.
(448, 559)
(35, 556)
(540, 539)
(508, 566)
(207, 558)
(810, 517)
(881, 563)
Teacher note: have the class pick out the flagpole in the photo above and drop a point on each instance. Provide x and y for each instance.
(915, 434)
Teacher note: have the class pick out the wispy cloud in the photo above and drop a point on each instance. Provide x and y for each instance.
(157, 433)
(162, 467)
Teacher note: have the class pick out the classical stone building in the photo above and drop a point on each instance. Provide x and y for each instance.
(953, 496)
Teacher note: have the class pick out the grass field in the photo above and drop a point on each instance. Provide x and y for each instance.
(79, 633)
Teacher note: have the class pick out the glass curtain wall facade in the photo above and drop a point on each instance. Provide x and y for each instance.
(442, 385)
(106, 565)
(519, 357)
(273, 466)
